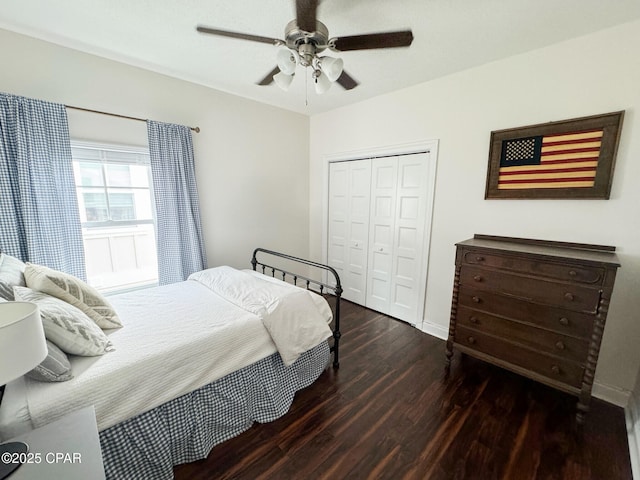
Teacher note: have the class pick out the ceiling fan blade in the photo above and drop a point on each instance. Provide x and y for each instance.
(346, 81)
(268, 79)
(306, 14)
(372, 40)
(242, 36)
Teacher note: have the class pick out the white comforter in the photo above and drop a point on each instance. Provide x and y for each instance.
(179, 337)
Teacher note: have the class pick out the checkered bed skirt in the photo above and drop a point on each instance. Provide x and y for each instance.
(185, 429)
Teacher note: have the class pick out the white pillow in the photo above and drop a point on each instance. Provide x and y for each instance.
(74, 291)
(54, 368)
(11, 275)
(66, 326)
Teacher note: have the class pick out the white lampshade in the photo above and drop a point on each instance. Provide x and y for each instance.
(22, 342)
(287, 61)
(322, 83)
(331, 67)
(283, 80)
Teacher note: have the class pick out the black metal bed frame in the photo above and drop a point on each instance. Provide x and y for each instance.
(336, 289)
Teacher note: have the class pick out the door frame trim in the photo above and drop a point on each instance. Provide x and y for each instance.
(424, 146)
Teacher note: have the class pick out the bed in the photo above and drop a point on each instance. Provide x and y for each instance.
(197, 362)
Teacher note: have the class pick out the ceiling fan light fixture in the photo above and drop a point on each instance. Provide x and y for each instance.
(332, 67)
(287, 61)
(322, 82)
(283, 80)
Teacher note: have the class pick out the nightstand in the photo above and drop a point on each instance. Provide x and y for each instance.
(68, 448)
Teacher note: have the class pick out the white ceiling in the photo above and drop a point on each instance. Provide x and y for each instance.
(450, 35)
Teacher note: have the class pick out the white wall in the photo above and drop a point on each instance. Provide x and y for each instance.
(595, 74)
(251, 159)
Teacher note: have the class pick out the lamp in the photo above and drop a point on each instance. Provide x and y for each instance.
(287, 60)
(22, 347)
(332, 67)
(322, 82)
(325, 70)
(283, 80)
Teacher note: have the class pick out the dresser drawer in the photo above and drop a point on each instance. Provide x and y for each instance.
(560, 271)
(570, 296)
(556, 369)
(570, 348)
(566, 322)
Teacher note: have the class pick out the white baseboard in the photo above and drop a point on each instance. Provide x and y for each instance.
(610, 394)
(632, 417)
(434, 330)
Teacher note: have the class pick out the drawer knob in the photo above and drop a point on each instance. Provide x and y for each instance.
(555, 369)
(568, 296)
(476, 299)
(471, 340)
(477, 278)
(564, 321)
(479, 259)
(572, 273)
(473, 319)
(560, 345)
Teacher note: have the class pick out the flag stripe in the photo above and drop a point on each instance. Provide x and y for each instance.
(563, 149)
(520, 186)
(554, 171)
(570, 156)
(551, 180)
(560, 164)
(550, 147)
(572, 136)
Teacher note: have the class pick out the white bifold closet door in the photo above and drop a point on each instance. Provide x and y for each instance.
(396, 236)
(349, 191)
(376, 234)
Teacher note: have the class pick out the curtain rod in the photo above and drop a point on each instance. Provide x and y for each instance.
(195, 129)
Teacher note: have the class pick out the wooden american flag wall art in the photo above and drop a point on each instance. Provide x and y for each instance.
(566, 159)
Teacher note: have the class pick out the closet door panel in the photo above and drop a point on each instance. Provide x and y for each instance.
(408, 251)
(338, 216)
(381, 232)
(357, 240)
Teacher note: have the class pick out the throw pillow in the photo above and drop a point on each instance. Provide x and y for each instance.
(74, 291)
(65, 325)
(11, 275)
(54, 368)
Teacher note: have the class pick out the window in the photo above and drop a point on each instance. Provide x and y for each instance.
(115, 199)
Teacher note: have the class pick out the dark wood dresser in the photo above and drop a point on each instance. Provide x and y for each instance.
(537, 308)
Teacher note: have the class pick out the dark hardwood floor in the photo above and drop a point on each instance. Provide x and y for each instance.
(389, 413)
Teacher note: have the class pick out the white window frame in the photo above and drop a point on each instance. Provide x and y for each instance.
(144, 159)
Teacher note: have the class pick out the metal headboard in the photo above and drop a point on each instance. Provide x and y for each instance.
(322, 287)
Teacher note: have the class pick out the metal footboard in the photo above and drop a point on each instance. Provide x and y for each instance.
(311, 284)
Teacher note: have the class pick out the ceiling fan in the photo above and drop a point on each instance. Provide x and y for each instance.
(304, 38)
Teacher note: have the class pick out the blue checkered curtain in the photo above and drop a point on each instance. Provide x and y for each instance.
(179, 231)
(39, 219)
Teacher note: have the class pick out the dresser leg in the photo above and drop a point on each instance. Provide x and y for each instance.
(447, 363)
(581, 413)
